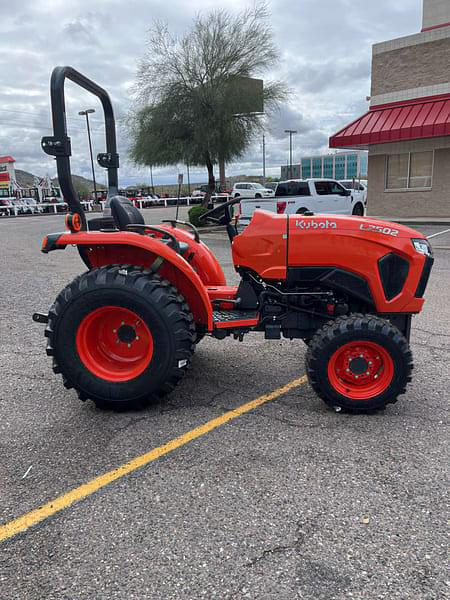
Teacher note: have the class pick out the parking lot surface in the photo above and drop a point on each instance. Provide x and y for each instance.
(287, 501)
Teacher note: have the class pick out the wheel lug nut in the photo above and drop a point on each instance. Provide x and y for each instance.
(129, 345)
(137, 337)
(114, 330)
(123, 323)
(367, 373)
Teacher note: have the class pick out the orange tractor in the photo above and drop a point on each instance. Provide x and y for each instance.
(123, 333)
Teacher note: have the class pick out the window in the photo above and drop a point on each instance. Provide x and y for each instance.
(282, 189)
(322, 187)
(409, 171)
(421, 169)
(317, 167)
(299, 188)
(335, 188)
(306, 171)
(397, 171)
(328, 166)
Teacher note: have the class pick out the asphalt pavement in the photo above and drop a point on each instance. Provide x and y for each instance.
(288, 501)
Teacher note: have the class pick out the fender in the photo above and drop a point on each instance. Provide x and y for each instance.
(129, 248)
(203, 260)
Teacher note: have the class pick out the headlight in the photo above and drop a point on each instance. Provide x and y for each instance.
(422, 246)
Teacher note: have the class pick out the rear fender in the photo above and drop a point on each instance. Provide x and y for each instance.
(128, 248)
(203, 261)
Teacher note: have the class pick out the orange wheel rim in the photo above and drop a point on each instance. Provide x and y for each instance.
(114, 343)
(361, 370)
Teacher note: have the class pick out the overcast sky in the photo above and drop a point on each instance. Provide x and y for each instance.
(325, 48)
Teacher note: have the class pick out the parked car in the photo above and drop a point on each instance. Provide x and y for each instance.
(20, 206)
(30, 206)
(5, 204)
(200, 192)
(61, 204)
(251, 190)
(359, 187)
(297, 196)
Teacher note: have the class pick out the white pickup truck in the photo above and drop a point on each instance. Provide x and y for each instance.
(296, 196)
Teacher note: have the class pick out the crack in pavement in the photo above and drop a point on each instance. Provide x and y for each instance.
(427, 331)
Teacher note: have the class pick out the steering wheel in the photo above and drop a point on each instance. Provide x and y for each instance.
(213, 214)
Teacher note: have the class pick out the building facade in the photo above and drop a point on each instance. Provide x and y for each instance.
(341, 165)
(7, 176)
(407, 128)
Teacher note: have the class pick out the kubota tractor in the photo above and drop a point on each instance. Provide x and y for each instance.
(123, 332)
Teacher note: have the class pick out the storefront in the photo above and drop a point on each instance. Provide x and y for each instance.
(407, 128)
(7, 176)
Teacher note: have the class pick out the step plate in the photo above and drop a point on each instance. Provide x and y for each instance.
(235, 318)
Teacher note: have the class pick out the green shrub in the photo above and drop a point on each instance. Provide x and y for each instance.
(194, 213)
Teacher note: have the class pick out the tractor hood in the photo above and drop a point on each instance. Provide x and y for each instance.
(275, 245)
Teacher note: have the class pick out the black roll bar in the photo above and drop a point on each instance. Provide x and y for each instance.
(59, 146)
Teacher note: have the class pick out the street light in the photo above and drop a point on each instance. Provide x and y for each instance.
(290, 132)
(86, 113)
(264, 158)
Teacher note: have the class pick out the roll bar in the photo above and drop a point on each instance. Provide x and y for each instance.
(58, 145)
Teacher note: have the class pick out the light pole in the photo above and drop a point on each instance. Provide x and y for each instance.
(264, 158)
(86, 113)
(290, 132)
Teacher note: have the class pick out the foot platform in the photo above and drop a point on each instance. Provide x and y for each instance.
(230, 319)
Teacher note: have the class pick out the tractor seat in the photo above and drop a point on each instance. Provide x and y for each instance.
(125, 213)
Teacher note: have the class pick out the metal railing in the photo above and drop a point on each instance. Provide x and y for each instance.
(90, 205)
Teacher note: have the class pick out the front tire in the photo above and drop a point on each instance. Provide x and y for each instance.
(120, 336)
(359, 363)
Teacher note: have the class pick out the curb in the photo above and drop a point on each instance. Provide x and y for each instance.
(414, 220)
(212, 229)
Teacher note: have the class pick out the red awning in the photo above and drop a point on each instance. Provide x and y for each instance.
(409, 120)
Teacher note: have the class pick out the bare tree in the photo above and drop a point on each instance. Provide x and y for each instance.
(187, 89)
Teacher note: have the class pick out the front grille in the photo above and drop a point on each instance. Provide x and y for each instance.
(393, 272)
(429, 260)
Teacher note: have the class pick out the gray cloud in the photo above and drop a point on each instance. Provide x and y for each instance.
(325, 61)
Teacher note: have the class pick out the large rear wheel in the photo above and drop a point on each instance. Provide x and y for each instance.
(359, 363)
(120, 336)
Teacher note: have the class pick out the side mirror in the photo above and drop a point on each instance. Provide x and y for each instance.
(347, 192)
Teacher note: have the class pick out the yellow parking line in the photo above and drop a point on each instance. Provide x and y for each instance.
(12, 528)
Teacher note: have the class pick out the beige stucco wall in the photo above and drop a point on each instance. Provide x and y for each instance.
(423, 64)
(411, 203)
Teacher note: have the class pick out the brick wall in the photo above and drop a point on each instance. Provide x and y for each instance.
(412, 203)
(414, 66)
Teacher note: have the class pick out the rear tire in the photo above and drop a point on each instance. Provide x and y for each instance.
(120, 336)
(359, 363)
(358, 210)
